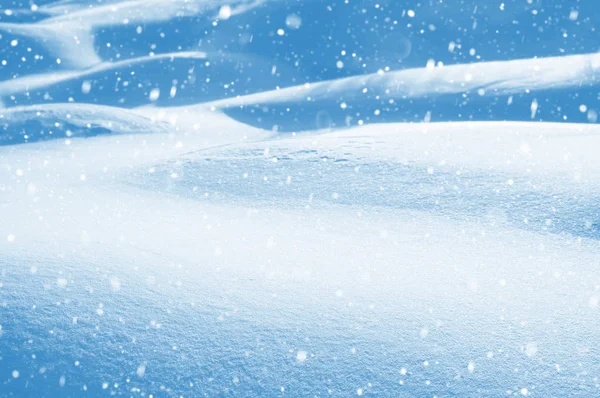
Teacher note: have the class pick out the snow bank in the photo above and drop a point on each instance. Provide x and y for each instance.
(493, 78)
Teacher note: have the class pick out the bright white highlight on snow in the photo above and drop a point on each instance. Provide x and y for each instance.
(86, 87)
(301, 356)
(293, 21)
(141, 370)
(531, 349)
(534, 108)
(471, 367)
(225, 12)
(154, 94)
(573, 15)
(115, 284)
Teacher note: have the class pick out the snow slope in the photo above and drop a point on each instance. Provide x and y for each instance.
(212, 207)
(241, 268)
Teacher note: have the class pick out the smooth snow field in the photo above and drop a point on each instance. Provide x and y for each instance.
(264, 198)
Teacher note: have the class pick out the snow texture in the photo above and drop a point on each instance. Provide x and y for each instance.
(283, 198)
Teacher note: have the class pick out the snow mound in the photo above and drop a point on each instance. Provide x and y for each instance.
(62, 121)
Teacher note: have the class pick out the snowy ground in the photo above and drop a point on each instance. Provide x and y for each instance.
(218, 227)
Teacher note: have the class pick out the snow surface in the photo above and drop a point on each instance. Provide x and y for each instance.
(238, 222)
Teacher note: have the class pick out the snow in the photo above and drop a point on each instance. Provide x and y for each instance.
(499, 78)
(211, 220)
(38, 81)
(68, 33)
(227, 258)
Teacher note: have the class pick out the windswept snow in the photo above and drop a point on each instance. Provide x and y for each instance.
(364, 248)
(69, 32)
(209, 198)
(35, 123)
(38, 81)
(494, 78)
